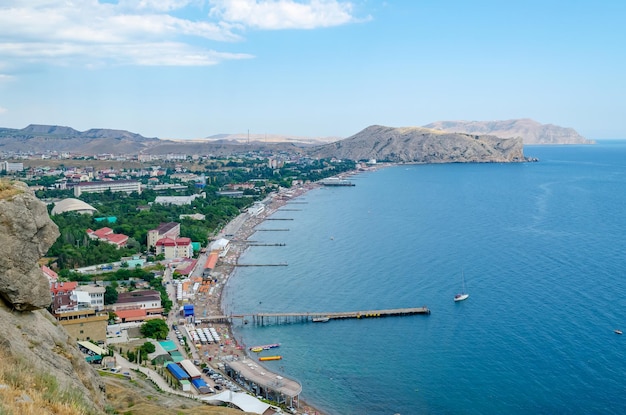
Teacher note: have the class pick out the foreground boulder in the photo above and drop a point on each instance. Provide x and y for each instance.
(26, 234)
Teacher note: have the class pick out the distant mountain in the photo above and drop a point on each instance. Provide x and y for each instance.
(409, 144)
(416, 144)
(38, 138)
(52, 138)
(272, 138)
(529, 130)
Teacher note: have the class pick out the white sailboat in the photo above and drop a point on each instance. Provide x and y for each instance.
(462, 295)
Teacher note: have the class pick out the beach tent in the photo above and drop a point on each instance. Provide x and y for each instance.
(242, 401)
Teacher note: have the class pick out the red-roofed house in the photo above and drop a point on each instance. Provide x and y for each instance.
(117, 239)
(174, 248)
(127, 316)
(107, 235)
(186, 267)
(51, 275)
(100, 233)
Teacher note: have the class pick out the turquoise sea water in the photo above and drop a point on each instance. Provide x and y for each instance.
(541, 245)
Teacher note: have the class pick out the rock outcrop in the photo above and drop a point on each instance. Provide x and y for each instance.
(26, 234)
(29, 334)
(529, 130)
(421, 145)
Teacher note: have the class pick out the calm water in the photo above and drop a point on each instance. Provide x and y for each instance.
(543, 252)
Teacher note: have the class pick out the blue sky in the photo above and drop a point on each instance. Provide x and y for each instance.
(313, 68)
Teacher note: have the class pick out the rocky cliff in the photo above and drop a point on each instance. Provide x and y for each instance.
(29, 336)
(529, 130)
(416, 144)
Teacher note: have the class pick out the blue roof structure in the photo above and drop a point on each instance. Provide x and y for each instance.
(201, 386)
(177, 371)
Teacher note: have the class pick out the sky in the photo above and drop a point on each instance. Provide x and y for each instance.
(311, 68)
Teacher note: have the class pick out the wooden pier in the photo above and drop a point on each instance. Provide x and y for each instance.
(287, 318)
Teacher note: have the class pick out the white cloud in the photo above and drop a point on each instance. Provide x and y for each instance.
(90, 33)
(147, 32)
(284, 14)
(3, 110)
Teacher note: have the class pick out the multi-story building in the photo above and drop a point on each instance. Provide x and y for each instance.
(96, 295)
(174, 248)
(61, 293)
(177, 200)
(86, 324)
(11, 167)
(127, 186)
(164, 230)
(72, 307)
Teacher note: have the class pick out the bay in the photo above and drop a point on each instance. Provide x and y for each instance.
(541, 246)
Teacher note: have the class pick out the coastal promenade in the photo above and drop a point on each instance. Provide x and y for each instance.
(210, 309)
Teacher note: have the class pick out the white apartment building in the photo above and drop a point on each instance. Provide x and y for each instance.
(127, 186)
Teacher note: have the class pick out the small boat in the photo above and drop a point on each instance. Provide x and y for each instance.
(462, 295)
(265, 347)
(264, 358)
(617, 331)
(256, 349)
(320, 319)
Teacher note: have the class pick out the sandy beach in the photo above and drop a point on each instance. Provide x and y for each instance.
(238, 231)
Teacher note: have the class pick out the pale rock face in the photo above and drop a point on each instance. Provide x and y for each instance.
(26, 234)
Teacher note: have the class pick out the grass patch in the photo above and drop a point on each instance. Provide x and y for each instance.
(7, 190)
(26, 391)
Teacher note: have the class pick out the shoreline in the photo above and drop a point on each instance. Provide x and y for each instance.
(244, 226)
(238, 231)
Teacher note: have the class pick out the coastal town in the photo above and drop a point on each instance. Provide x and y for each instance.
(196, 355)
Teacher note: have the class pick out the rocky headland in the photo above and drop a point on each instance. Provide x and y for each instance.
(422, 145)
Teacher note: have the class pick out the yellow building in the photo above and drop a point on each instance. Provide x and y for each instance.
(85, 324)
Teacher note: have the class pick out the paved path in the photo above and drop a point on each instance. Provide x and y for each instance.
(152, 375)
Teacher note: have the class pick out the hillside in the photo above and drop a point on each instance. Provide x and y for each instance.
(415, 144)
(51, 138)
(529, 130)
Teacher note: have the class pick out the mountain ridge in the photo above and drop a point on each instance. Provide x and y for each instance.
(435, 142)
(531, 131)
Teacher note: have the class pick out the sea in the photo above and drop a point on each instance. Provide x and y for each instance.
(541, 247)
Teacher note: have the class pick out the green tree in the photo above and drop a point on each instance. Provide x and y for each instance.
(148, 347)
(155, 329)
(112, 315)
(110, 295)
